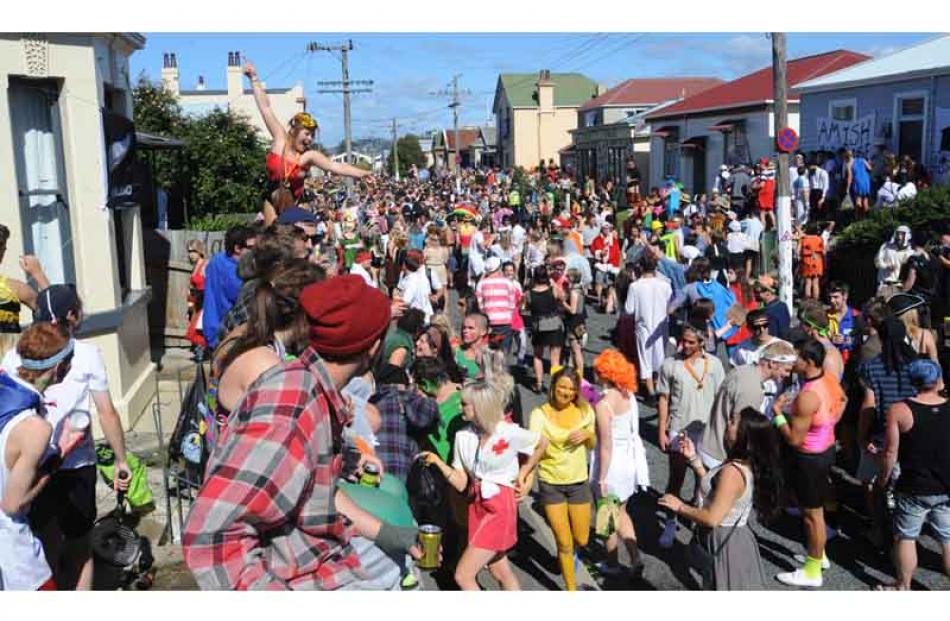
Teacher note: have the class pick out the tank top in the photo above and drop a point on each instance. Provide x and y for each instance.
(9, 308)
(542, 303)
(739, 513)
(821, 434)
(923, 455)
(291, 173)
(23, 565)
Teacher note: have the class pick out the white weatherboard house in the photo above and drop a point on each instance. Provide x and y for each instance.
(61, 92)
(899, 103)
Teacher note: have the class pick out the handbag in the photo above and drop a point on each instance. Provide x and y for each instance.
(550, 323)
(846, 203)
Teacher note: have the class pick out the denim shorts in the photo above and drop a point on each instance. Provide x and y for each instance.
(913, 511)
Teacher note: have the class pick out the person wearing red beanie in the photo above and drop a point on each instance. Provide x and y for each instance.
(269, 486)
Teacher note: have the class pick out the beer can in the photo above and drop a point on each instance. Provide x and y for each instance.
(370, 476)
(430, 540)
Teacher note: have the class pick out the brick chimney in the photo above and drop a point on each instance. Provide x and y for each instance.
(545, 91)
(170, 74)
(235, 77)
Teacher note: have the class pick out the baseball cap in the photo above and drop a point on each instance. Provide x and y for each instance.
(55, 302)
(295, 215)
(492, 264)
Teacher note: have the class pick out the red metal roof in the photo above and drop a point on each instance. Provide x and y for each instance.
(466, 138)
(756, 88)
(640, 91)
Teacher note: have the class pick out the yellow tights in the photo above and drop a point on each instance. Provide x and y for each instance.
(571, 524)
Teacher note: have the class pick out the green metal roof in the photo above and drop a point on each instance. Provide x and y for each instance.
(570, 89)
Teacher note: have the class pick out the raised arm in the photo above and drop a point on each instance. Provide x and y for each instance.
(274, 126)
(321, 161)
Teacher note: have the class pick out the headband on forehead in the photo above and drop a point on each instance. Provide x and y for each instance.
(781, 358)
(52, 361)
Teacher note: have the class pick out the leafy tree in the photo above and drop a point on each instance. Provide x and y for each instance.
(221, 168)
(409, 153)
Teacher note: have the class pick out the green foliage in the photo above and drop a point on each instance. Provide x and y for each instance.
(929, 210)
(410, 152)
(218, 222)
(226, 161)
(221, 168)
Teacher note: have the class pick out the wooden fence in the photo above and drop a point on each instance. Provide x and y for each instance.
(168, 271)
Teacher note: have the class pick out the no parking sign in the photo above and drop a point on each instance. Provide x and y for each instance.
(787, 140)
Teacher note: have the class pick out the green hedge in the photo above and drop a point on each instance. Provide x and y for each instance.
(219, 222)
(929, 210)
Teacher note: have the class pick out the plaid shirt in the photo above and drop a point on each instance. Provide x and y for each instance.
(265, 517)
(406, 415)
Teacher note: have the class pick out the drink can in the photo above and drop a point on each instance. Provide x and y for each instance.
(79, 420)
(430, 540)
(370, 476)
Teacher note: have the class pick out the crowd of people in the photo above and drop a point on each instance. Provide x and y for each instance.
(365, 344)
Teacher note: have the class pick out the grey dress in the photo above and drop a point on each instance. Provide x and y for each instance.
(737, 565)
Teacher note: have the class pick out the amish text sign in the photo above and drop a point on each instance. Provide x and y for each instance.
(857, 135)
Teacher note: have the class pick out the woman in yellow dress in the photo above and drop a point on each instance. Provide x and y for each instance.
(566, 421)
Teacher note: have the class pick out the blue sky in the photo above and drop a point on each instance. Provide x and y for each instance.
(408, 69)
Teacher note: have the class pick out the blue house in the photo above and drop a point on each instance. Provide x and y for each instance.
(898, 103)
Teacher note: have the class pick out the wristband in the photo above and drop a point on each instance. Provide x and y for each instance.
(395, 540)
(779, 421)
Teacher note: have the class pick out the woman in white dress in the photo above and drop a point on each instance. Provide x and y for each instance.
(619, 468)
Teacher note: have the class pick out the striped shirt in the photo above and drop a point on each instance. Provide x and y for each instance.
(888, 388)
(497, 298)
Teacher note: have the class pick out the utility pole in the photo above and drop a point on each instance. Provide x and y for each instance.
(456, 94)
(345, 87)
(783, 206)
(395, 152)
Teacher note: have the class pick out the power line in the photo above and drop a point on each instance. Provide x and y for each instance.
(346, 86)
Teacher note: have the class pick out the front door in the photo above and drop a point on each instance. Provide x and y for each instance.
(699, 166)
(41, 179)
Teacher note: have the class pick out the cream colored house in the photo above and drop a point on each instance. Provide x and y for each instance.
(534, 115)
(58, 88)
(239, 100)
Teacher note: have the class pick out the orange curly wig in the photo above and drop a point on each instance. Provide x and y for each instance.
(613, 367)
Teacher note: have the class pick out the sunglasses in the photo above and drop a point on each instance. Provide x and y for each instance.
(760, 326)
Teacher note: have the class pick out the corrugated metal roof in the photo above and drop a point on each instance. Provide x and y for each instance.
(932, 55)
(648, 91)
(756, 88)
(570, 89)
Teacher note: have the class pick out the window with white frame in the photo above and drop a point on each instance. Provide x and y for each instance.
(36, 122)
(843, 110)
(910, 123)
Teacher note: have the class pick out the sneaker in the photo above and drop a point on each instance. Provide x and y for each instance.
(578, 565)
(668, 536)
(799, 579)
(825, 563)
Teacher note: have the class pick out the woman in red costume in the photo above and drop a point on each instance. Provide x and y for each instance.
(290, 157)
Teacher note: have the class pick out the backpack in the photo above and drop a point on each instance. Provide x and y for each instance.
(193, 436)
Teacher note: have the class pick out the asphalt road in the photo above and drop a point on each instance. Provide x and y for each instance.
(856, 565)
